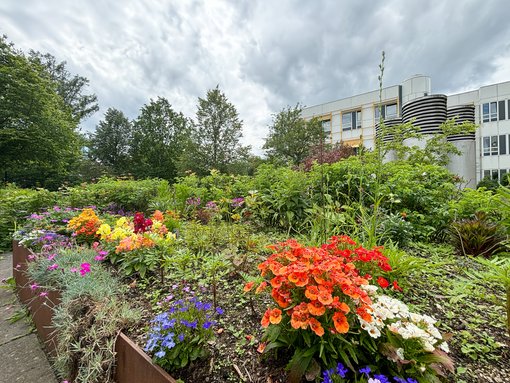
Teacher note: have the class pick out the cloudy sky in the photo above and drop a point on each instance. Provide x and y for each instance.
(264, 54)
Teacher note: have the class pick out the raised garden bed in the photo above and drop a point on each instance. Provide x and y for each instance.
(133, 364)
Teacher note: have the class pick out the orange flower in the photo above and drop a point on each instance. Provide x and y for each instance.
(299, 279)
(316, 308)
(342, 306)
(265, 319)
(261, 287)
(248, 286)
(316, 326)
(299, 320)
(340, 322)
(276, 282)
(261, 347)
(282, 299)
(312, 292)
(275, 316)
(325, 295)
(364, 314)
(158, 216)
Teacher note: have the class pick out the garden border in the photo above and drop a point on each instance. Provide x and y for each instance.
(133, 364)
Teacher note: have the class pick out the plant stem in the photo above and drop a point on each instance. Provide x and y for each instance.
(508, 308)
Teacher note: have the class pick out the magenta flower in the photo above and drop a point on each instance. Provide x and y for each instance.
(31, 257)
(51, 257)
(34, 286)
(53, 267)
(43, 294)
(84, 268)
(99, 257)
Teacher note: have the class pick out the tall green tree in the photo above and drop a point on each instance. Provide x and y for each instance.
(291, 138)
(38, 137)
(216, 136)
(72, 88)
(158, 140)
(110, 143)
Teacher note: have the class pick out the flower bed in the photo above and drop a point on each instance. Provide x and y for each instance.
(133, 364)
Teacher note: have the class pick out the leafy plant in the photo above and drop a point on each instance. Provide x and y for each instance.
(478, 236)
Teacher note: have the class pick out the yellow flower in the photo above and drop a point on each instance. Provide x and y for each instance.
(104, 231)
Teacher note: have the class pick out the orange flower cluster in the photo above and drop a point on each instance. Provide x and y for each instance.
(85, 224)
(134, 242)
(318, 287)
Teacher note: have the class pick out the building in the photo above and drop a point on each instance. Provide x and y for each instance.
(353, 120)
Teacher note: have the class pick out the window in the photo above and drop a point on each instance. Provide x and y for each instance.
(388, 111)
(326, 127)
(502, 144)
(495, 174)
(486, 174)
(490, 111)
(486, 146)
(501, 107)
(485, 112)
(494, 111)
(494, 145)
(351, 120)
(502, 174)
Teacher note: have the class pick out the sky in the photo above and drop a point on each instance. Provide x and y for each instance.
(264, 55)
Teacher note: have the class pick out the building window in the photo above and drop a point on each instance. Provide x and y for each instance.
(486, 146)
(495, 174)
(486, 174)
(502, 174)
(494, 145)
(351, 120)
(501, 107)
(502, 144)
(490, 111)
(326, 127)
(388, 111)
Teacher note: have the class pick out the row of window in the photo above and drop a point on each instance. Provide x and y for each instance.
(496, 174)
(495, 110)
(352, 120)
(495, 145)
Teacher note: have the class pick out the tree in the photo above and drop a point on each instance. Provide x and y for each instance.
(216, 136)
(158, 140)
(70, 87)
(110, 143)
(38, 137)
(291, 138)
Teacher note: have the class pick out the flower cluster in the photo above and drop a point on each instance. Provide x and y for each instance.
(85, 225)
(179, 335)
(141, 224)
(341, 371)
(324, 290)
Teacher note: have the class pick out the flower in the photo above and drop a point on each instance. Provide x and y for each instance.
(365, 370)
(84, 269)
(248, 286)
(43, 294)
(383, 282)
(53, 266)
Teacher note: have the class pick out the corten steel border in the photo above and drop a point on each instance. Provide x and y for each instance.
(133, 365)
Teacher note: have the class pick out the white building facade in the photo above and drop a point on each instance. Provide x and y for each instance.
(353, 121)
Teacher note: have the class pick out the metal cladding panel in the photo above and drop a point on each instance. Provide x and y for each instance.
(462, 113)
(427, 113)
(389, 122)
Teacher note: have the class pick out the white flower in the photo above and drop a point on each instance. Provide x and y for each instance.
(400, 353)
(444, 346)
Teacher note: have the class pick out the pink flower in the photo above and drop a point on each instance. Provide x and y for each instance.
(43, 294)
(31, 257)
(73, 269)
(34, 286)
(99, 257)
(84, 268)
(18, 266)
(50, 257)
(53, 267)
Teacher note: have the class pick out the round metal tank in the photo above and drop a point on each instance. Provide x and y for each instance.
(428, 113)
(388, 122)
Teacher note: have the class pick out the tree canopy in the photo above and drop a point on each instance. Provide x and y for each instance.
(38, 136)
(291, 138)
(215, 141)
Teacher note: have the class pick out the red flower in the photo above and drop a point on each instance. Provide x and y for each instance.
(383, 282)
(396, 286)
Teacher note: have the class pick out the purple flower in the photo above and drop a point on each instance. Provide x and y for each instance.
(207, 325)
(341, 370)
(34, 286)
(51, 257)
(193, 201)
(53, 267)
(181, 337)
(237, 202)
(411, 380)
(219, 311)
(382, 378)
(211, 205)
(160, 353)
(365, 370)
(84, 268)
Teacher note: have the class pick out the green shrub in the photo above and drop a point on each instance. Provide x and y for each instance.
(16, 204)
(108, 193)
(471, 201)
